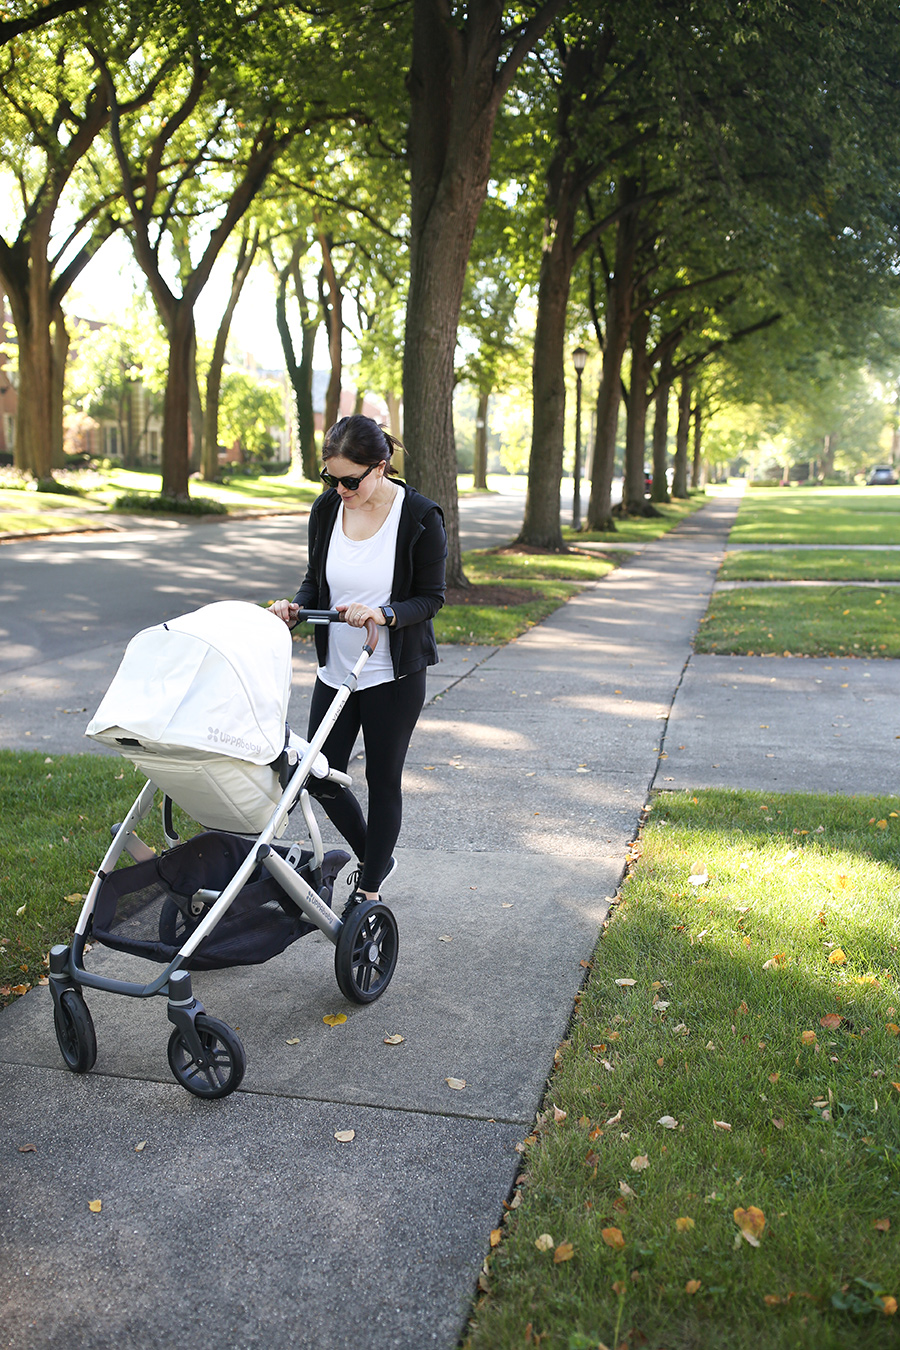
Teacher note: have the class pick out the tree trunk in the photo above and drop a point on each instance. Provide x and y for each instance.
(60, 354)
(455, 86)
(697, 473)
(659, 491)
(479, 462)
(334, 319)
(245, 257)
(395, 422)
(679, 467)
(299, 372)
(633, 494)
(195, 428)
(619, 305)
(176, 404)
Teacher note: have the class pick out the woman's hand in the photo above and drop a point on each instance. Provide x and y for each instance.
(357, 616)
(286, 610)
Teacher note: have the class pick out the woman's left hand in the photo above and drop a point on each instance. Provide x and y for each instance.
(357, 616)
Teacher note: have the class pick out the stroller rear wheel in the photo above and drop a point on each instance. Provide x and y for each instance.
(225, 1065)
(366, 952)
(75, 1031)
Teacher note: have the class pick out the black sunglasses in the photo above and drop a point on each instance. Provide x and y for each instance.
(351, 484)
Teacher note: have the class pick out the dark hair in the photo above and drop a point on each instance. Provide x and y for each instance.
(359, 439)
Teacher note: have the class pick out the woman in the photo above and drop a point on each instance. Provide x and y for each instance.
(377, 550)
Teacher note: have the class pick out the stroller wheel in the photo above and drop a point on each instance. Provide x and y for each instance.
(225, 1064)
(366, 952)
(75, 1031)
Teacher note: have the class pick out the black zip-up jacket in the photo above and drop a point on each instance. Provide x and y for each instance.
(417, 591)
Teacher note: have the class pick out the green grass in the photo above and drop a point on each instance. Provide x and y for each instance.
(798, 922)
(545, 581)
(641, 529)
(35, 512)
(817, 621)
(54, 830)
(811, 565)
(823, 516)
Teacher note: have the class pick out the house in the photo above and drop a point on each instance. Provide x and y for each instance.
(9, 397)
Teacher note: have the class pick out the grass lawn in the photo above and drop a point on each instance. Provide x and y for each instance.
(640, 529)
(54, 829)
(843, 620)
(733, 1066)
(802, 564)
(35, 512)
(823, 516)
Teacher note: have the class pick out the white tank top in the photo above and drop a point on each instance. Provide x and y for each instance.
(360, 571)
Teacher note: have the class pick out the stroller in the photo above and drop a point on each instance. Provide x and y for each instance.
(199, 705)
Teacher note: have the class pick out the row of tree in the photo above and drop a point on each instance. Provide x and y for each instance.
(668, 180)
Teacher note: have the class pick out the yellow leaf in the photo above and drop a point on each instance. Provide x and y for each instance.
(751, 1222)
(95, 1206)
(334, 1019)
(692, 1286)
(684, 1225)
(396, 1039)
(76, 898)
(295, 1040)
(456, 1083)
(771, 1300)
(892, 1028)
(613, 1238)
(496, 1235)
(544, 1242)
(344, 1136)
(883, 1225)
(722, 1125)
(639, 1163)
(831, 1021)
(808, 1037)
(837, 957)
(889, 1304)
(564, 1252)
(881, 824)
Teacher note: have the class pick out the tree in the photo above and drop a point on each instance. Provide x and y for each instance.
(247, 247)
(463, 63)
(248, 410)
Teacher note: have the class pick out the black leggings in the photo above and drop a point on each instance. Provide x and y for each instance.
(387, 714)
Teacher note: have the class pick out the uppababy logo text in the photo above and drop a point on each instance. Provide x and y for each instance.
(224, 738)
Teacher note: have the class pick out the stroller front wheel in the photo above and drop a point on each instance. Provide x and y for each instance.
(74, 1029)
(225, 1059)
(366, 953)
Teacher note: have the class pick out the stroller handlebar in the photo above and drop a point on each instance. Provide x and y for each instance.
(335, 616)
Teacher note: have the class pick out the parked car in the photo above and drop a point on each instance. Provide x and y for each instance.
(882, 476)
(648, 483)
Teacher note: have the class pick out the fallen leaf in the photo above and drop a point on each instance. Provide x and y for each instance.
(76, 898)
(668, 1122)
(721, 1125)
(445, 937)
(393, 1040)
(831, 1021)
(774, 1077)
(892, 1028)
(496, 1235)
(295, 1040)
(619, 1288)
(613, 1237)
(139, 1147)
(344, 1136)
(95, 1206)
(889, 1303)
(808, 1037)
(456, 1083)
(684, 1225)
(614, 1120)
(625, 984)
(544, 1242)
(692, 1286)
(21, 910)
(779, 1124)
(559, 1116)
(27, 1148)
(771, 1300)
(639, 1163)
(334, 1019)
(837, 957)
(751, 1222)
(883, 1225)
(625, 1189)
(564, 1252)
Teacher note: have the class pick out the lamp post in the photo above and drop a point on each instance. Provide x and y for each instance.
(579, 361)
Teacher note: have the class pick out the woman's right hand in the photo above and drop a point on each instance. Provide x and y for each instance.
(286, 610)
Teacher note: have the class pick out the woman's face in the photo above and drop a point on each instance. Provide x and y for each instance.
(345, 468)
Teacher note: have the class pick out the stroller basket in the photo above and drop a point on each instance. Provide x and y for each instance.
(150, 909)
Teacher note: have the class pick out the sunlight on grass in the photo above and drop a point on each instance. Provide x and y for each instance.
(811, 565)
(823, 516)
(736, 1046)
(828, 621)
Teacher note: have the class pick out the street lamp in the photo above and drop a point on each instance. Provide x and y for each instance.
(579, 361)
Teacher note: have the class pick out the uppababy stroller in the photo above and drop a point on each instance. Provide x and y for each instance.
(199, 705)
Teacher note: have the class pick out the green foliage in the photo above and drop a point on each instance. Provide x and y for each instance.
(248, 410)
(185, 506)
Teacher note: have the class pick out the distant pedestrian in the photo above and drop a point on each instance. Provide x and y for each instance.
(377, 550)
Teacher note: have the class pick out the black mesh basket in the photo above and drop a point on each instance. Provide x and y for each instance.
(149, 910)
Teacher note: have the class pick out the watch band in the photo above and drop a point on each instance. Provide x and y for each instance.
(388, 613)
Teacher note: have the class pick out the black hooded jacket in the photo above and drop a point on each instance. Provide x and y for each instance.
(417, 591)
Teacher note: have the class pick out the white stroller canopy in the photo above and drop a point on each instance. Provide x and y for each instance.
(216, 682)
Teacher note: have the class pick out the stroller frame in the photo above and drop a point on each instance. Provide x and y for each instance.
(205, 1054)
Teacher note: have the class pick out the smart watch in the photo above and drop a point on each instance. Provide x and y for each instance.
(388, 615)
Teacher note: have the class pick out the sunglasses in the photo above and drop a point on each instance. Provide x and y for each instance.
(351, 484)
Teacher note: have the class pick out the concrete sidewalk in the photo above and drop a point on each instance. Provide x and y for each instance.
(245, 1223)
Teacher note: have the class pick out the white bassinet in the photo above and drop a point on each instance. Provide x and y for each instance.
(199, 705)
